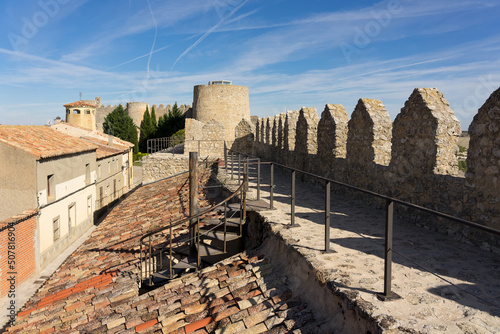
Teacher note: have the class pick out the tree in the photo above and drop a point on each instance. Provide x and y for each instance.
(153, 119)
(120, 125)
(171, 122)
(147, 130)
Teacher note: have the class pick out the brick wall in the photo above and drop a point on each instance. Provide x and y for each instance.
(17, 234)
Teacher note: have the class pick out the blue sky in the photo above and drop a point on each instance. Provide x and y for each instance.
(289, 53)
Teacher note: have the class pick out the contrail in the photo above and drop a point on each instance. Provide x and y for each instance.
(154, 41)
(208, 33)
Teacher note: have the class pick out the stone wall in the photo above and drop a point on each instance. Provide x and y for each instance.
(413, 159)
(136, 112)
(482, 197)
(160, 165)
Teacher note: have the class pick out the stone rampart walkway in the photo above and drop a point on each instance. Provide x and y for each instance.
(446, 286)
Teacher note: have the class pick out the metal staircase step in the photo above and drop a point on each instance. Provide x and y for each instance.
(219, 235)
(186, 263)
(231, 222)
(206, 250)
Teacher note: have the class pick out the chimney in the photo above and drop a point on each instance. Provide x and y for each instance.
(110, 140)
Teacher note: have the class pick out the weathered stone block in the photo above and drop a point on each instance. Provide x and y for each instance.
(369, 135)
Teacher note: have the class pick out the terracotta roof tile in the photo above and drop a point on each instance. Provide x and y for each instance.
(99, 282)
(81, 103)
(103, 150)
(42, 141)
(20, 217)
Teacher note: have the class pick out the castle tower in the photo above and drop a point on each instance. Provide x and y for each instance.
(136, 111)
(81, 113)
(223, 102)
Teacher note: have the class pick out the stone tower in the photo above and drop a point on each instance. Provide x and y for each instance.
(82, 113)
(136, 111)
(223, 102)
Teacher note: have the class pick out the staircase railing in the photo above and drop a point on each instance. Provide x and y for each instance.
(151, 259)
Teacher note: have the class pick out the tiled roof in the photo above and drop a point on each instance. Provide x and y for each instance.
(104, 137)
(23, 216)
(80, 104)
(96, 289)
(78, 131)
(42, 141)
(103, 150)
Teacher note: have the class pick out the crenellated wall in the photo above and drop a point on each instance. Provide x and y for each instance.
(135, 110)
(413, 159)
(482, 197)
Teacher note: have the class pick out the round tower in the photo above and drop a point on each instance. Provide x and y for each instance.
(81, 113)
(223, 102)
(136, 111)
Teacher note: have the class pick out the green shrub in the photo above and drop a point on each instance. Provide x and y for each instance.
(462, 149)
(178, 137)
(139, 156)
(462, 165)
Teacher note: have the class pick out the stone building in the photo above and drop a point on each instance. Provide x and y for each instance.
(82, 113)
(114, 163)
(53, 173)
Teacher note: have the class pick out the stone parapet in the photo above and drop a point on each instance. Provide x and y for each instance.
(413, 159)
(483, 163)
(370, 133)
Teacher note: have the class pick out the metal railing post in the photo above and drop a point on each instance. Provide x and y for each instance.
(246, 173)
(232, 167)
(271, 190)
(171, 255)
(239, 167)
(225, 226)
(389, 223)
(292, 198)
(198, 242)
(141, 263)
(241, 209)
(150, 264)
(225, 157)
(327, 216)
(258, 179)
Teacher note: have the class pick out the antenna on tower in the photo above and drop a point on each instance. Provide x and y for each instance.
(80, 95)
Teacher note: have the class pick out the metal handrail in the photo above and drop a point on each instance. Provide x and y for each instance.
(162, 144)
(148, 254)
(389, 219)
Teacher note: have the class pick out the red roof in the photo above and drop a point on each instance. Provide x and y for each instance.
(80, 104)
(42, 141)
(103, 150)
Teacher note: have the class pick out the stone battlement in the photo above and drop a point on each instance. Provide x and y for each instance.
(413, 158)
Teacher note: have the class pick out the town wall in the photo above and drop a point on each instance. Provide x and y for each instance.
(135, 110)
(413, 159)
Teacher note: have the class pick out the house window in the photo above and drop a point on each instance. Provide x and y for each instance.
(51, 187)
(99, 171)
(55, 228)
(100, 197)
(76, 111)
(87, 112)
(114, 189)
(87, 173)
